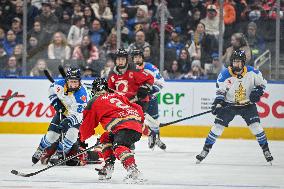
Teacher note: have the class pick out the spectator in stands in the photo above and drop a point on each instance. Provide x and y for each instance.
(109, 65)
(189, 6)
(3, 56)
(18, 53)
(48, 20)
(175, 42)
(184, 61)
(86, 51)
(103, 13)
(110, 46)
(56, 8)
(88, 71)
(174, 72)
(76, 31)
(33, 12)
(10, 42)
(17, 28)
(141, 17)
(190, 23)
(148, 56)
(2, 35)
(203, 44)
(211, 21)
(7, 11)
(77, 9)
(39, 33)
(89, 16)
(139, 43)
(65, 22)
(38, 69)
(152, 8)
(11, 68)
(196, 71)
(213, 69)
(58, 48)
(168, 15)
(34, 51)
(97, 33)
(238, 41)
(255, 40)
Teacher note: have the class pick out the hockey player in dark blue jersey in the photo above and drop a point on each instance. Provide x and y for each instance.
(152, 114)
(69, 98)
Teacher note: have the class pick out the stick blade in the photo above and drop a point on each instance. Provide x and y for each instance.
(15, 172)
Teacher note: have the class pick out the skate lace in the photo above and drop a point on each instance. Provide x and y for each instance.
(267, 154)
(159, 143)
(203, 153)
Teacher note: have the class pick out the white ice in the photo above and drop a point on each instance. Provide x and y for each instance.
(230, 164)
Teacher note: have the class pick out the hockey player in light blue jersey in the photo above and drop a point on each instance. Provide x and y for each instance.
(239, 87)
(152, 110)
(69, 98)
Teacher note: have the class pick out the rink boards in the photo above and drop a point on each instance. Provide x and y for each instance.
(30, 111)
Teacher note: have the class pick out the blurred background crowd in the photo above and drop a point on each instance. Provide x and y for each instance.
(198, 37)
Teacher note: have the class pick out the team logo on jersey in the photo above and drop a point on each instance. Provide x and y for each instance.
(122, 86)
(84, 98)
(240, 94)
(57, 89)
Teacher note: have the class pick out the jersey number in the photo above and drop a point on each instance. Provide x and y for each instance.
(118, 103)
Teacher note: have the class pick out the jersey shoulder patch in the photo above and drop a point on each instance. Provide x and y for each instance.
(252, 69)
(81, 96)
(60, 82)
(225, 74)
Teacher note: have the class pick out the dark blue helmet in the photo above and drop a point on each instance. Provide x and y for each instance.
(137, 52)
(73, 73)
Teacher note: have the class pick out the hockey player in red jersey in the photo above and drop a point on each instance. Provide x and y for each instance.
(122, 121)
(133, 83)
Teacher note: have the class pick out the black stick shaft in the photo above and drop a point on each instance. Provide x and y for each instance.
(48, 76)
(176, 121)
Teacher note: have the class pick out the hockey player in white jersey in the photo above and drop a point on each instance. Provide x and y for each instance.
(239, 87)
(151, 118)
(69, 98)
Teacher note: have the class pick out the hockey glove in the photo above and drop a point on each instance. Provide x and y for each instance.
(217, 106)
(58, 106)
(65, 124)
(143, 92)
(255, 94)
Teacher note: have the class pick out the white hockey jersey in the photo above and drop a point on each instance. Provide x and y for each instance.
(159, 81)
(237, 90)
(74, 102)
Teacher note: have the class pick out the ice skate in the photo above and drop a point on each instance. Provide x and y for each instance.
(202, 155)
(268, 156)
(37, 155)
(152, 140)
(106, 172)
(56, 157)
(134, 176)
(160, 144)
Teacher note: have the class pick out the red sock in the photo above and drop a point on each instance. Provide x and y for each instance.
(124, 154)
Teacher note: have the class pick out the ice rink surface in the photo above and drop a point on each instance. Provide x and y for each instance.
(231, 164)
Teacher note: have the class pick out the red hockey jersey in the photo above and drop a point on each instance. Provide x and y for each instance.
(129, 82)
(114, 112)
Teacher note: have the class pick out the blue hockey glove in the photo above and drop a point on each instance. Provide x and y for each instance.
(58, 106)
(255, 94)
(217, 106)
(65, 124)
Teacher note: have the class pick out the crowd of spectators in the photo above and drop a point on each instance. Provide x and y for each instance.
(84, 33)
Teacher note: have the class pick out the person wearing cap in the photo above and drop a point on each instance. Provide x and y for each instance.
(196, 71)
(211, 21)
(48, 19)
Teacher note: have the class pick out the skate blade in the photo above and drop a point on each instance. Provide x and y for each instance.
(135, 181)
(198, 162)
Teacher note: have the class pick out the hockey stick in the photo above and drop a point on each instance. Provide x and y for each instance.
(61, 71)
(9, 97)
(15, 172)
(48, 76)
(172, 122)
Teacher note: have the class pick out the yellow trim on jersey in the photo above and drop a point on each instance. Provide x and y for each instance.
(245, 70)
(169, 131)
